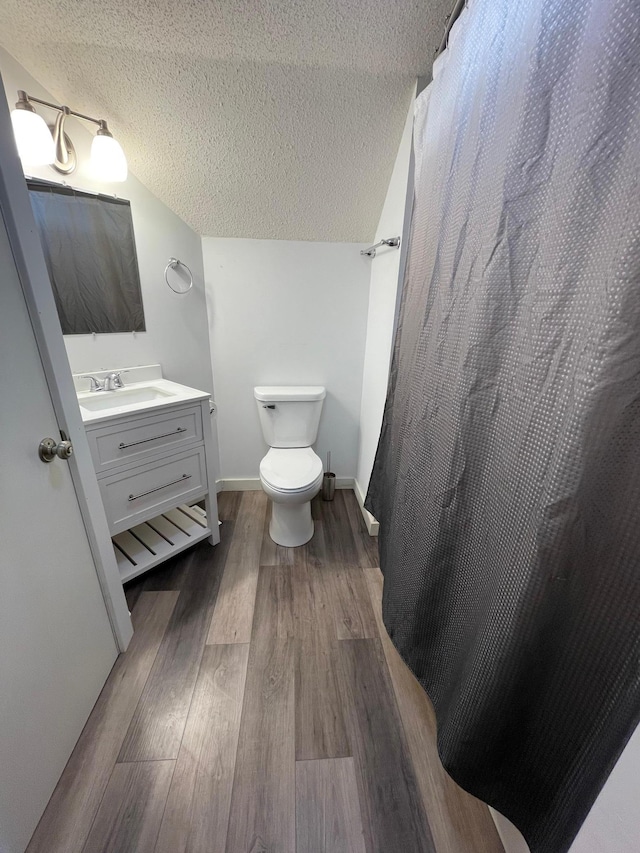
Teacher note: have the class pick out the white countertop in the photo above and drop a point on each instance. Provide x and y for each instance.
(128, 400)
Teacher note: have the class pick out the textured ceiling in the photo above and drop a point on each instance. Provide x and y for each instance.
(275, 119)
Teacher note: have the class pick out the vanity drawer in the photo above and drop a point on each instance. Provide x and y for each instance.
(131, 497)
(131, 441)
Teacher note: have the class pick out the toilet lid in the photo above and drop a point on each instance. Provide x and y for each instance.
(290, 468)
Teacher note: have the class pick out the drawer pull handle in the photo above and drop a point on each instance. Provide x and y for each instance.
(122, 445)
(157, 488)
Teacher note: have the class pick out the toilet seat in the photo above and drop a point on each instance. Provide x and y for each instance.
(291, 469)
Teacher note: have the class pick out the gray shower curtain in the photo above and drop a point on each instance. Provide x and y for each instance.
(507, 477)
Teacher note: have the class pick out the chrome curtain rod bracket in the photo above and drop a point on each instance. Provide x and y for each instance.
(394, 242)
(450, 20)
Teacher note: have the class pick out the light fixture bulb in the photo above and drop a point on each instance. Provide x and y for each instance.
(108, 162)
(33, 138)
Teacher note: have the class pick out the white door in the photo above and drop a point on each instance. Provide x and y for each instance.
(56, 641)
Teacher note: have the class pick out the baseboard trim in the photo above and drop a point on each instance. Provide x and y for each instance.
(252, 484)
(372, 525)
(249, 484)
(344, 482)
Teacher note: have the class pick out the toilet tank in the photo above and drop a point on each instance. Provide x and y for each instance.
(289, 414)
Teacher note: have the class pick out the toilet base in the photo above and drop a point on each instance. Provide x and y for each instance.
(291, 524)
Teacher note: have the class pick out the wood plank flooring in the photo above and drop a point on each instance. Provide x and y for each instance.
(262, 708)
(234, 609)
(320, 727)
(158, 723)
(263, 803)
(327, 807)
(131, 810)
(197, 809)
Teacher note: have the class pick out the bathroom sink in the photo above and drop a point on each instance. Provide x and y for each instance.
(145, 390)
(149, 393)
(103, 400)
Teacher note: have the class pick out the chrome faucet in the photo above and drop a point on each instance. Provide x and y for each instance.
(112, 382)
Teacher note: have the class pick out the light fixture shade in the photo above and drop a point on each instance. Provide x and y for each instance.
(33, 138)
(108, 162)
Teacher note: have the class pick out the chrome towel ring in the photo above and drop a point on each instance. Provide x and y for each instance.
(175, 264)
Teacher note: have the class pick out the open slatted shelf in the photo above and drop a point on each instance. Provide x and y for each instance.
(148, 544)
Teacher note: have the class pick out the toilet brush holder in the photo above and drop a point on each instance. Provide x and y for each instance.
(328, 482)
(328, 486)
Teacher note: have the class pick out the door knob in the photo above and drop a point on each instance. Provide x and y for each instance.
(49, 448)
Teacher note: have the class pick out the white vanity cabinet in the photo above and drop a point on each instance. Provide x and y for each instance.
(153, 464)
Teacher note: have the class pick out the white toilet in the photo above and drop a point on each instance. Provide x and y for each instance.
(290, 473)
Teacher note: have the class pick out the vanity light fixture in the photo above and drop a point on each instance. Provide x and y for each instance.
(41, 145)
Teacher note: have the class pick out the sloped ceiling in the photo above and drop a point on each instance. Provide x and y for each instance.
(276, 119)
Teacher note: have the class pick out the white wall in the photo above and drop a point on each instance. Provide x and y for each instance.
(286, 313)
(177, 334)
(383, 293)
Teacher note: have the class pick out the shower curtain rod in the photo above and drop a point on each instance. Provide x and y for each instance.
(394, 242)
(452, 17)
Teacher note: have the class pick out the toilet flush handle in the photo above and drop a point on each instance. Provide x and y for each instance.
(269, 406)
